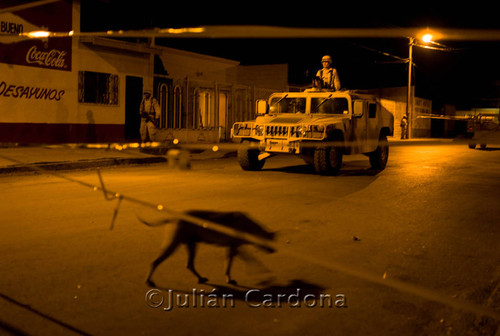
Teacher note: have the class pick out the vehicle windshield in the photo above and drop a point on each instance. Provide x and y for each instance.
(328, 105)
(287, 105)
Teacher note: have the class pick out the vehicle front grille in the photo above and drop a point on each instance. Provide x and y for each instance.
(279, 131)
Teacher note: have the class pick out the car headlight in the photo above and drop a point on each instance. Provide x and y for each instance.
(259, 130)
(317, 128)
(300, 131)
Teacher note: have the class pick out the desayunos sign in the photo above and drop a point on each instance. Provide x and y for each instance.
(30, 92)
(51, 53)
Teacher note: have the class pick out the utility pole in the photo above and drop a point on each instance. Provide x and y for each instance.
(409, 105)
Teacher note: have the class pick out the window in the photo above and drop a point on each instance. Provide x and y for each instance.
(287, 105)
(205, 108)
(97, 88)
(163, 101)
(175, 115)
(329, 105)
(372, 110)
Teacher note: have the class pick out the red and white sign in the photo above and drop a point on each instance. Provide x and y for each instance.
(52, 59)
(49, 53)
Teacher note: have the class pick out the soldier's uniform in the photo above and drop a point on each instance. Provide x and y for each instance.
(328, 76)
(150, 114)
(404, 128)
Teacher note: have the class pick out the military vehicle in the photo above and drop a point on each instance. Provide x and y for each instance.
(320, 126)
(483, 129)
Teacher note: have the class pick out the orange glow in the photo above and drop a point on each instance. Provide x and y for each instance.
(183, 30)
(428, 35)
(427, 38)
(38, 34)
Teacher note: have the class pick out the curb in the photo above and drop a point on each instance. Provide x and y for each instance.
(80, 164)
(159, 157)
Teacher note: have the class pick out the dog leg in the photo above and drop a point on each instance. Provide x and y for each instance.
(190, 265)
(161, 258)
(255, 267)
(231, 252)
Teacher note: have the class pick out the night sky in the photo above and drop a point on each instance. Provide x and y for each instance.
(466, 76)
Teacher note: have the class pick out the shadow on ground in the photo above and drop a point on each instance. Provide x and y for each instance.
(297, 292)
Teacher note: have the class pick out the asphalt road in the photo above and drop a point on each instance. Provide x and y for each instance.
(430, 221)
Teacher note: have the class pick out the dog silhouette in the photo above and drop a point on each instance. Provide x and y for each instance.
(190, 234)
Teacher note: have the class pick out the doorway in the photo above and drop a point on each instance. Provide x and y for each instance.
(133, 98)
(163, 93)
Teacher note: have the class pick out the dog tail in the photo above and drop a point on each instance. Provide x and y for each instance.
(156, 223)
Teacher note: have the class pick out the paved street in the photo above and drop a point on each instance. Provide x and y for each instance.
(430, 220)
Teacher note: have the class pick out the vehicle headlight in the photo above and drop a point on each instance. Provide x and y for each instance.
(300, 131)
(317, 128)
(259, 130)
(317, 131)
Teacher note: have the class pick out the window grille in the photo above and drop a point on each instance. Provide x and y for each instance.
(97, 88)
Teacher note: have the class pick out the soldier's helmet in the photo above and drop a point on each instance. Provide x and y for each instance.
(327, 58)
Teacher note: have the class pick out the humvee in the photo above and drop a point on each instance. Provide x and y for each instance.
(483, 128)
(320, 126)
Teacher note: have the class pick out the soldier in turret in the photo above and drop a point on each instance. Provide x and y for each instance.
(328, 76)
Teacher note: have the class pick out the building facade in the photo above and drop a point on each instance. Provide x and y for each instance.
(89, 88)
(395, 100)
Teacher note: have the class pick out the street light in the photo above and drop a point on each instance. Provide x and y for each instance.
(427, 38)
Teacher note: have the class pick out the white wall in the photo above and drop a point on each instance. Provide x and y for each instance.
(21, 85)
(181, 64)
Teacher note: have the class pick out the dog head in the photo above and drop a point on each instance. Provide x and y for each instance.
(244, 223)
(240, 222)
(267, 248)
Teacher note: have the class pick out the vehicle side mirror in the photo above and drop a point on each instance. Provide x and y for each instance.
(261, 107)
(358, 108)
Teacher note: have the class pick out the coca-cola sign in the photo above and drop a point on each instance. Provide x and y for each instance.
(53, 58)
(48, 53)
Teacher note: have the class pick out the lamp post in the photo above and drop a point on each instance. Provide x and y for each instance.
(426, 38)
(409, 105)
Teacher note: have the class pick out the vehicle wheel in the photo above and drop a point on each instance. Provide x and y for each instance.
(483, 146)
(379, 157)
(472, 145)
(249, 158)
(327, 160)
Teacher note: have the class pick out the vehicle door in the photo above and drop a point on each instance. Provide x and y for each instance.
(359, 126)
(372, 126)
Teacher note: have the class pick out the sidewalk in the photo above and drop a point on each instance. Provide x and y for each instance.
(19, 159)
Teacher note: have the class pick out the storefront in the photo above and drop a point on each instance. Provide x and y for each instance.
(88, 89)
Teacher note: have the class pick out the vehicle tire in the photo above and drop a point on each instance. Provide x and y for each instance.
(483, 146)
(472, 145)
(327, 160)
(379, 157)
(249, 158)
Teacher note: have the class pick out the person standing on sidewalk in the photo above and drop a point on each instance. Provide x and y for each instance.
(404, 128)
(150, 115)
